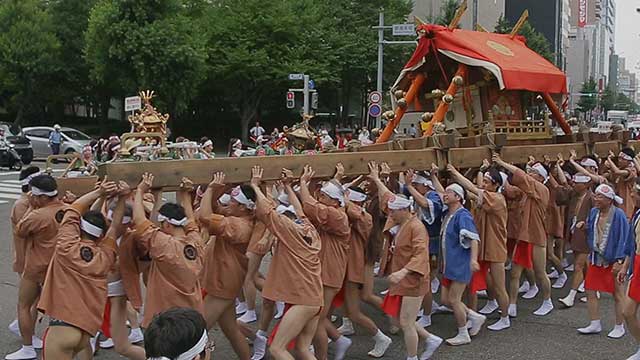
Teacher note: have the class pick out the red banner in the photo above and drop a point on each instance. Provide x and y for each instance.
(582, 13)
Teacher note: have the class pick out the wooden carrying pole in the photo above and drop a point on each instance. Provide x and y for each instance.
(519, 24)
(399, 113)
(556, 113)
(443, 107)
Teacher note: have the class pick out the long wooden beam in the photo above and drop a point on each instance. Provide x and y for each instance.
(168, 173)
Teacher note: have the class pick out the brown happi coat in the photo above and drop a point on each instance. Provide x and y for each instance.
(624, 189)
(491, 221)
(295, 275)
(578, 207)
(18, 211)
(39, 229)
(224, 272)
(333, 226)
(555, 211)
(75, 289)
(361, 224)
(176, 262)
(409, 249)
(534, 209)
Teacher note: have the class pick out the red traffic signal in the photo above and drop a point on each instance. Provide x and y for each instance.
(290, 95)
(291, 100)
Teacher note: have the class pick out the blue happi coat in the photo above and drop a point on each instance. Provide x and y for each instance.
(458, 231)
(616, 233)
(630, 246)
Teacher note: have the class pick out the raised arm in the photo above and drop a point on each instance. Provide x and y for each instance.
(139, 215)
(157, 204)
(206, 205)
(374, 176)
(462, 180)
(436, 182)
(287, 180)
(184, 197)
(305, 179)
(594, 177)
(83, 203)
(116, 229)
(419, 198)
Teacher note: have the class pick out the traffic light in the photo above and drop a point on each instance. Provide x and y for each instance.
(291, 100)
(314, 100)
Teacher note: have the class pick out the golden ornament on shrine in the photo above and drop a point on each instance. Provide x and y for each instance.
(149, 119)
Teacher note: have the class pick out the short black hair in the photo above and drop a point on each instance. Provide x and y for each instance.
(204, 139)
(95, 218)
(172, 211)
(629, 152)
(25, 173)
(173, 332)
(248, 191)
(495, 176)
(44, 182)
(357, 189)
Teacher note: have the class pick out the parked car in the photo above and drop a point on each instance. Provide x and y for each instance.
(72, 140)
(21, 144)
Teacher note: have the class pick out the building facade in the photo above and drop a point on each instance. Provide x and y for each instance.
(483, 12)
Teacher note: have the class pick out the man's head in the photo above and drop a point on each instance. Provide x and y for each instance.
(605, 196)
(171, 216)
(454, 194)
(590, 164)
(127, 216)
(357, 195)
(581, 183)
(56, 127)
(492, 180)
(399, 208)
(243, 200)
(93, 225)
(538, 171)
(422, 182)
(44, 189)
(26, 175)
(257, 123)
(178, 333)
(331, 194)
(625, 157)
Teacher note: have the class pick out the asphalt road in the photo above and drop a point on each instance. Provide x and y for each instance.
(530, 337)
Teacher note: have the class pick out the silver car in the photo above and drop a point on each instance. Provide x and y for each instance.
(72, 140)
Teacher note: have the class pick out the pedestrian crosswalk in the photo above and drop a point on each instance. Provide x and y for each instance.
(9, 191)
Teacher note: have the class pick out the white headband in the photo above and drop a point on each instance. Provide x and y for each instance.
(26, 180)
(283, 198)
(207, 143)
(539, 168)
(224, 199)
(333, 191)
(191, 353)
(397, 202)
(175, 222)
(236, 143)
(356, 196)
(89, 228)
(589, 162)
(240, 197)
(581, 179)
(607, 191)
(281, 209)
(419, 179)
(622, 155)
(37, 192)
(125, 219)
(458, 190)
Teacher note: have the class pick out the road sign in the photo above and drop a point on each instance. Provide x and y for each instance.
(132, 103)
(404, 30)
(375, 97)
(296, 76)
(375, 110)
(291, 100)
(312, 84)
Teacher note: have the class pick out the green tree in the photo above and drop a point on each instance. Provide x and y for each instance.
(535, 40)
(589, 101)
(28, 50)
(146, 44)
(447, 12)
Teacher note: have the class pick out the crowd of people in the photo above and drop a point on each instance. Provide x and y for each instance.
(127, 259)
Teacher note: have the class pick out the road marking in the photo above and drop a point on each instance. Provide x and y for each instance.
(9, 190)
(9, 196)
(11, 173)
(13, 186)
(12, 181)
(3, 202)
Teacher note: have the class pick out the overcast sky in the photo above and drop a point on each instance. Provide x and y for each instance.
(628, 32)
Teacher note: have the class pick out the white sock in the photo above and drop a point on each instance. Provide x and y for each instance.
(513, 310)
(463, 331)
(412, 357)
(262, 333)
(573, 293)
(379, 335)
(28, 347)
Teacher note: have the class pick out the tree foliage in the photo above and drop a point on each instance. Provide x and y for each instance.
(589, 101)
(447, 12)
(28, 54)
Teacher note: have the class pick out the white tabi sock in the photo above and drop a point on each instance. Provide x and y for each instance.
(594, 328)
(545, 308)
(513, 310)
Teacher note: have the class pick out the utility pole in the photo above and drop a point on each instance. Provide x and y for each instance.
(380, 57)
(306, 95)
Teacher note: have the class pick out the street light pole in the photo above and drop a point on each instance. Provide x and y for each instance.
(380, 57)
(306, 95)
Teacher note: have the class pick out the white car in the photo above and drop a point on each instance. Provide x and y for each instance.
(72, 140)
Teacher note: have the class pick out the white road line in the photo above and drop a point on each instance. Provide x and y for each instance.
(9, 196)
(11, 181)
(9, 190)
(13, 186)
(3, 202)
(10, 173)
